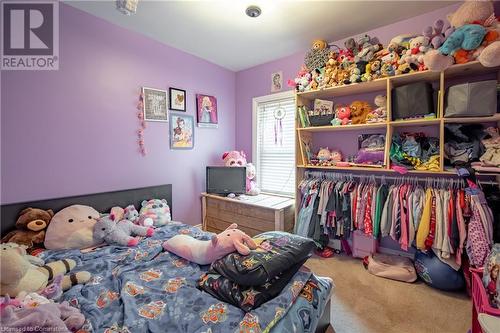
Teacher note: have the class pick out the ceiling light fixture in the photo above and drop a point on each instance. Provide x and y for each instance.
(127, 7)
(253, 11)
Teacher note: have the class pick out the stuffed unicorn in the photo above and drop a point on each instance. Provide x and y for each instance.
(133, 215)
(108, 229)
(206, 252)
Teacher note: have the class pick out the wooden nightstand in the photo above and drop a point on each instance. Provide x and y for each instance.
(254, 214)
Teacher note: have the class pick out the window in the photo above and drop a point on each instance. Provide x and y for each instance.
(274, 142)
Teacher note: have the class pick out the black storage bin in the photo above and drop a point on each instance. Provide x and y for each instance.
(324, 120)
(412, 101)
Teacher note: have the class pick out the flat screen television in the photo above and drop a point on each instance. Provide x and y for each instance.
(225, 180)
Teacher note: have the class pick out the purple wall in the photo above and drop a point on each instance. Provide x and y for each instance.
(255, 81)
(73, 131)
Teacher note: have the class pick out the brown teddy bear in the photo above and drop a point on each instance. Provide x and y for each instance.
(31, 225)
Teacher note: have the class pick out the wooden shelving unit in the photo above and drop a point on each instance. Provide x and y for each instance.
(385, 86)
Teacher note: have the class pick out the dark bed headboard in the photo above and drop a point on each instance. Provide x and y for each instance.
(102, 202)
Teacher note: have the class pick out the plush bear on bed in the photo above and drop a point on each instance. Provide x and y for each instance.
(156, 209)
(206, 252)
(108, 229)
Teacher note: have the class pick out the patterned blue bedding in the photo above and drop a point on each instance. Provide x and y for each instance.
(145, 289)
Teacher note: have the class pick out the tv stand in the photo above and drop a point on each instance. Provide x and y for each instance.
(253, 214)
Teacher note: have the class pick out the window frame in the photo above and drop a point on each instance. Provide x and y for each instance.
(255, 103)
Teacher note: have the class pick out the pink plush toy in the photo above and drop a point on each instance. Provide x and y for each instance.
(206, 252)
(234, 158)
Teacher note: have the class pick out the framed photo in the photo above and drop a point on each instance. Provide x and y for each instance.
(276, 81)
(181, 131)
(155, 104)
(177, 99)
(206, 111)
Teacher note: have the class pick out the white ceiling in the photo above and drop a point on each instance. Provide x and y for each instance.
(220, 32)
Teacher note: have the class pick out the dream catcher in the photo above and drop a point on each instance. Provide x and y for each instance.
(142, 126)
(279, 113)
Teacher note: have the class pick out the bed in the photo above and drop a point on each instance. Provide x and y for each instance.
(145, 289)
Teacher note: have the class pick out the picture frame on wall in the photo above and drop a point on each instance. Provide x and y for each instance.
(177, 99)
(206, 111)
(155, 104)
(181, 131)
(276, 81)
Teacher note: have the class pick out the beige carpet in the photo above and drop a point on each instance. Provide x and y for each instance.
(364, 303)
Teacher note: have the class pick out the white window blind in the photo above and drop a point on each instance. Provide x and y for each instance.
(275, 146)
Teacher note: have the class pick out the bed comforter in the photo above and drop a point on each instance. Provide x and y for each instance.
(145, 289)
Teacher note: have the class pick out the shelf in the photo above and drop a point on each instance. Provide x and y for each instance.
(415, 122)
(342, 127)
(345, 90)
(470, 68)
(403, 79)
(472, 120)
(354, 168)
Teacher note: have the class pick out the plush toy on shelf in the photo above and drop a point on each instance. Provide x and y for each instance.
(317, 56)
(19, 274)
(437, 33)
(380, 113)
(327, 157)
(30, 228)
(204, 252)
(414, 56)
(113, 231)
(359, 111)
(342, 115)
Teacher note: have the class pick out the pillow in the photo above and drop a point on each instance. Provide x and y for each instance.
(276, 252)
(72, 228)
(246, 298)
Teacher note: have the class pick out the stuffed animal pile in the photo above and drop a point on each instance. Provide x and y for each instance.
(473, 33)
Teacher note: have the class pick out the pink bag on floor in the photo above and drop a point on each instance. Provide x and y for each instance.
(391, 267)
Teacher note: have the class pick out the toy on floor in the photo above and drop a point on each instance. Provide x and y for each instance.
(131, 214)
(72, 228)
(206, 252)
(18, 274)
(30, 227)
(113, 231)
(436, 273)
(157, 210)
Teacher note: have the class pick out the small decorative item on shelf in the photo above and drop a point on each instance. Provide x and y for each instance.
(371, 149)
(379, 115)
(326, 157)
(322, 114)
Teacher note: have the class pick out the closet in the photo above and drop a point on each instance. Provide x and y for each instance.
(344, 138)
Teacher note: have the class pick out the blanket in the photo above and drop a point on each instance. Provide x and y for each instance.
(144, 289)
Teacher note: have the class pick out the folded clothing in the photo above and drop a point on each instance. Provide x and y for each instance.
(276, 253)
(246, 298)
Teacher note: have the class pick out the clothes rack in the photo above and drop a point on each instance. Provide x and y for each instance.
(409, 179)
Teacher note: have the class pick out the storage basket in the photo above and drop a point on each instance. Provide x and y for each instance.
(413, 100)
(480, 302)
(363, 245)
(472, 99)
(324, 120)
